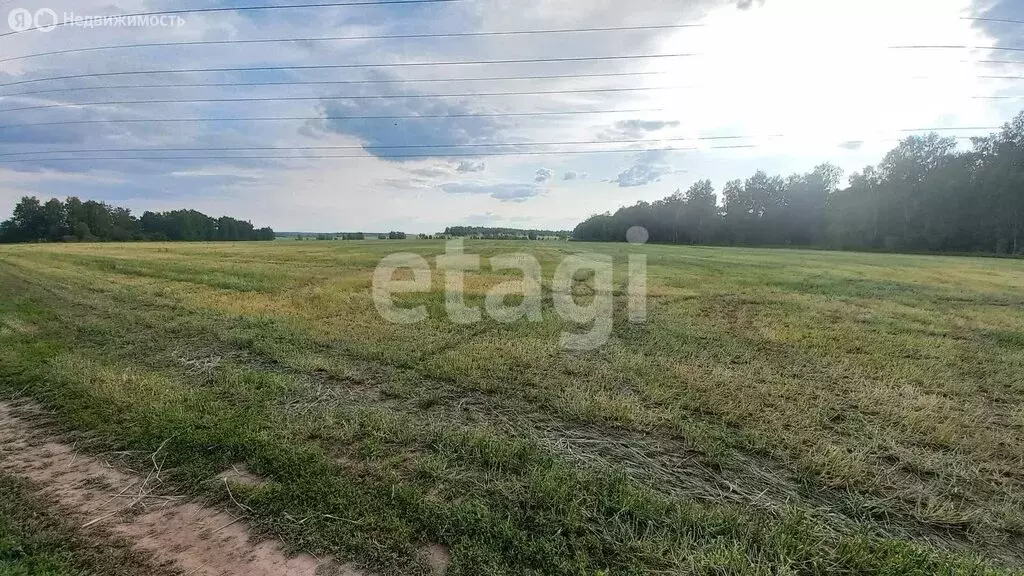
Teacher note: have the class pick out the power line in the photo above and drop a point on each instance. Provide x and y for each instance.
(387, 147)
(388, 157)
(950, 129)
(228, 9)
(338, 66)
(996, 61)
(953, 47)
(417, 156)
(433, 146)
(366, 37)
(345, 82)
(393, 81)
(426, 36)
(356, 97)
(280, 118)
(997, 20)
(381, 96)
(460, 63)
(407, 117)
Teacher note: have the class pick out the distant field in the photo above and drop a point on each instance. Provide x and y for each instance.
(780, 412)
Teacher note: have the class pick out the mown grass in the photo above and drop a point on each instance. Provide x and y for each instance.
(780, 412)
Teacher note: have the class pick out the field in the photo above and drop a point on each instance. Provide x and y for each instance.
(780, 412)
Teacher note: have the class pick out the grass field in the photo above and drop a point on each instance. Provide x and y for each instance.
(780, 412)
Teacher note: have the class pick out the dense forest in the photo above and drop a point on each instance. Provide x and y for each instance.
(925, 195)
(90, 221)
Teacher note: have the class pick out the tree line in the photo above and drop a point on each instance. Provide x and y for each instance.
(925, 195)
(487, 233)
(76, 221)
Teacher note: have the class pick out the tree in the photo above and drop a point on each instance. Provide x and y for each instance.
(28, 222)
(98, 221)
(905, 172)
(55, 220)
(701, 211)
(925, 194)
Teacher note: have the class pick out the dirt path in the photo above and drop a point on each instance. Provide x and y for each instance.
(197, 540)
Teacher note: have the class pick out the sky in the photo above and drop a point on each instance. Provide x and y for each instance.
(383, 137)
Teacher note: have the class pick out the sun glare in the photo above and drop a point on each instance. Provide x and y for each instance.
(826, 72)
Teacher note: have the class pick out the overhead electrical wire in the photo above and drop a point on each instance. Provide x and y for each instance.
(376, 97)
(385, 157)
(393, 81)
(387, 147)
(382, 117)
(349, 38)
(353, 66)
(430, 35)
(953, 47)
(451, 63)
(441, 146)
(382, 81)
(396, 117)
(352, 97)
(420, 156)
(995, 20)
(342, 82)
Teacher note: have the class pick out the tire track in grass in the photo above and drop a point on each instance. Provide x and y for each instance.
(195, 539)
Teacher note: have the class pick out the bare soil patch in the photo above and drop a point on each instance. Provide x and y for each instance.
(196, 539)
(241, 475)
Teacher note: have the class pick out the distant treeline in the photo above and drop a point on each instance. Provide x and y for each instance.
(347, 235)
(90, 221)
(925, 195)
(503, 233)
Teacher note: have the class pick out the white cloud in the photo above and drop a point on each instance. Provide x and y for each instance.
(649, 167)
(470, 166)
(822, 73)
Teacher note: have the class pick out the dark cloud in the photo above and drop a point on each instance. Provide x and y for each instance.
(543, 175)
(649, 167)
(434, 137)
(748, 4)
(506, 192)
(73, 128)
(1007, 34)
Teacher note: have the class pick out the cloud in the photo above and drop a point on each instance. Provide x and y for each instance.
(1003, 34)
(852, 144)
(739, 45)
(543, 175)
(506, 192)
(470, 166)
(431, 171)
(649, 167)
(646, 125)
(636, 129)
(449, 124)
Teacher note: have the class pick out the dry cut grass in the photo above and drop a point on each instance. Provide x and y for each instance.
(781, 411)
